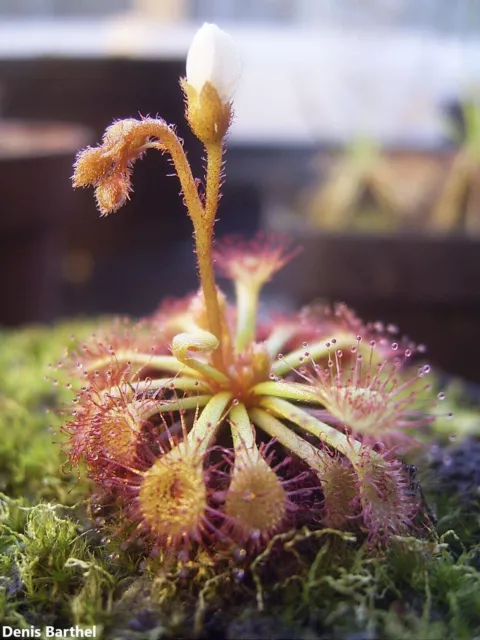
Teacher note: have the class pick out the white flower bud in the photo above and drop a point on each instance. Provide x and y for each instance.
(214, 57)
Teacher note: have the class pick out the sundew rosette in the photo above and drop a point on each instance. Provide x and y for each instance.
(207, 427)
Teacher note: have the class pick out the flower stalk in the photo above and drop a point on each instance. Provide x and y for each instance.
(204, 243)
(247, 310)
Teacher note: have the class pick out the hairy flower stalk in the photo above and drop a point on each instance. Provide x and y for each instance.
(163, 397)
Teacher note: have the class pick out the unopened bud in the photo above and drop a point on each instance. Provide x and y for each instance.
(213, 71)
(213, 58)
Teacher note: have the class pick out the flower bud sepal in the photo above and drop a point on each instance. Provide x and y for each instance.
(208, 116)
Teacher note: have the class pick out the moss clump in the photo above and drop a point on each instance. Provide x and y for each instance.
(51, 574)
(56, 569)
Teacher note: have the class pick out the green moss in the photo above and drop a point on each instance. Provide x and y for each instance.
(56, 569)
(52, 575)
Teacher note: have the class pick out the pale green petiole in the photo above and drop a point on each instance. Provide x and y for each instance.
(243, 434)
(315, 351)
(330, 436)
(156, 385)
(247, 307)
(289, 390)
(155, 407)
(288, 438)
(162, 362)
(206, 426)
(353, 450)
(207, 370)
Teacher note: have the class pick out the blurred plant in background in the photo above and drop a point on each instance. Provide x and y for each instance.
(373, 189)
(458, 204)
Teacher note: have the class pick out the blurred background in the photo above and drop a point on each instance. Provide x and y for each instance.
(357, 132)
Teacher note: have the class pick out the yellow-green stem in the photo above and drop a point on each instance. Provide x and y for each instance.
(207, 370)
(327, 434)
(288, 390)
(165, 363)
(288, 438)
(207, 424)
(191, 402)
(247, 307)
(243, 434)
(155, 385)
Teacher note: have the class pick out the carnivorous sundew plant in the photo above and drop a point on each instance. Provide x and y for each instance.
(209, 427)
